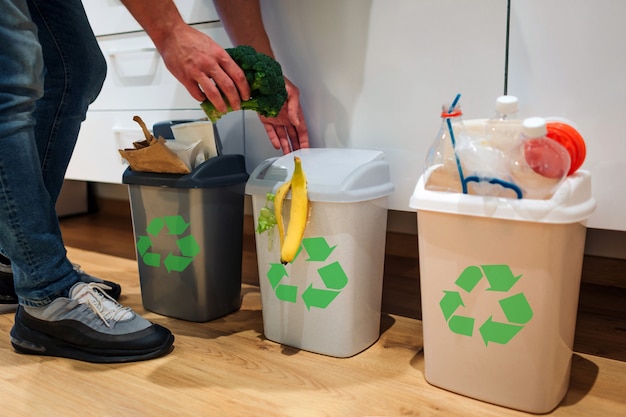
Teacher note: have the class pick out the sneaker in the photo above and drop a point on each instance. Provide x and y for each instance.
(7, 290)
(88, 326)
(113, 289)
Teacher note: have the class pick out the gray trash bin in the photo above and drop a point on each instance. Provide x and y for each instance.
(188, 235)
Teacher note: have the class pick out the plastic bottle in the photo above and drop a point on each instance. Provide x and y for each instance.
(503, 129)
(564, 132)
(442, 166)
(538, 164)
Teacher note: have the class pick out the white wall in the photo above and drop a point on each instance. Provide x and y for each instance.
(568, 59)
(374, 73)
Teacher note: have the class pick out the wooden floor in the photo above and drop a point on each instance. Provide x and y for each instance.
(226, 367)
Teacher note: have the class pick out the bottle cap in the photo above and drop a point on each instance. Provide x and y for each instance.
(446, 111)
(534, 127)
(568, 136)
(507, 105)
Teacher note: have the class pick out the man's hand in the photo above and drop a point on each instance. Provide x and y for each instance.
(201, 65)
(288, 130)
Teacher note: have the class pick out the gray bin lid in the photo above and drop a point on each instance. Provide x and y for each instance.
(219, 171)
(333, 174)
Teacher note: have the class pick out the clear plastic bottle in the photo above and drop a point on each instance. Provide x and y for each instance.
(566, 133)
(503, 129)
(538, 164)
(443, 169)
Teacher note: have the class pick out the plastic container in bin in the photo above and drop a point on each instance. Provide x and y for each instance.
(188, 234)
(328, 300)
(500, 281)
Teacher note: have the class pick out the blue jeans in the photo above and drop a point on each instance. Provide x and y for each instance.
(51, 69)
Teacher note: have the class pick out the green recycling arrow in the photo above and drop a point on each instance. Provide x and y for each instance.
(176, 224)
(152, 259)
(469, 278)
(502, 333)
(516, 308)
(450, 302)
(283, 292)
(332, 275)
(276, 273)
(461, 325)
(314, 297)
(143, 244)
(500, 277)
(287, 293)
(176, 263)
(187, 245)
(317, 248)
(155, 226)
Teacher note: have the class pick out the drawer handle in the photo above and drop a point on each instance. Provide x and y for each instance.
(115, 52)
(135, 67)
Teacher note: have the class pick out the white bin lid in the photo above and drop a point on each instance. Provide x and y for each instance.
(333, 174)
(571, 203)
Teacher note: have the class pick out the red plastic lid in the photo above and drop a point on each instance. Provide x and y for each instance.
(569, 137)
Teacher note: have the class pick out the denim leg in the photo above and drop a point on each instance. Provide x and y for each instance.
(29, 228)
(74, 73)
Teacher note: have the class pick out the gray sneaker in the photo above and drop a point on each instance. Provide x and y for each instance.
(89, 326)
(113, 289)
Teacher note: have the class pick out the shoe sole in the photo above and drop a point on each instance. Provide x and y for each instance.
(30, 342)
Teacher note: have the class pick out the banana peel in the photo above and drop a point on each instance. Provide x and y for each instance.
(291, 239)
(279, 201)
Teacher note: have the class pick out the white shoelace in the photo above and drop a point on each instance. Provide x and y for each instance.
(106, 308)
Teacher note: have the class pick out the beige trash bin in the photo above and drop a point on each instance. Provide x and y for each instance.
(500, 282)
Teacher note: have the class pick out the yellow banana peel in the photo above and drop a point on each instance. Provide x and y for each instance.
(279, 201)
(298, 214)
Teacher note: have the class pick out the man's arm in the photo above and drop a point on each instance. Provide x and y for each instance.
(196, 60)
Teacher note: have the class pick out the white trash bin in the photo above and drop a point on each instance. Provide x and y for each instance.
(500, 281)
(328, 300)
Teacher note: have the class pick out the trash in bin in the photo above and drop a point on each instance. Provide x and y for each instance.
(328, 299)
(156, 155)
(188, 234)
(500, 281)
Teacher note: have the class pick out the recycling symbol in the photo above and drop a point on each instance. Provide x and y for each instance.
(187, 245)
(332, 275)
(515, 307)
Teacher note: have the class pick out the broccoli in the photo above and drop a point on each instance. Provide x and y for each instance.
(265, 77)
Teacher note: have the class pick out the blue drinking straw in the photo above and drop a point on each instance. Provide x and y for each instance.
(475, 178)
(456, 157)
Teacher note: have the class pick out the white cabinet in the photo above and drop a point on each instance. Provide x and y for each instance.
(111, 17)
(567, 59)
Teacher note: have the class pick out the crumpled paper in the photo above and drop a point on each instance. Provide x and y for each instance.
(153, 155)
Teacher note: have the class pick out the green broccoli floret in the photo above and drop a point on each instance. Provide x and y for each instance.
(265, 77)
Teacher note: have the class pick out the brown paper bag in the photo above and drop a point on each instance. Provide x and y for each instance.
(153, 155)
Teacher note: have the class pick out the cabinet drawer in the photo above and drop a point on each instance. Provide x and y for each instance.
(110, 16)
(96, 157)
(137, 77)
